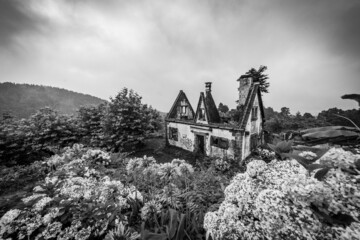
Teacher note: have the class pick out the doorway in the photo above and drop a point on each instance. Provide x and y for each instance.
(200, 140)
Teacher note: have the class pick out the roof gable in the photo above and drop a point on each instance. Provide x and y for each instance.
(201, 111)
(213, 113)
(207, 111)
(181, 109)
(246, 111)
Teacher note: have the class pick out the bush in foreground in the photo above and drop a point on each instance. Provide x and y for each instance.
(283, 200)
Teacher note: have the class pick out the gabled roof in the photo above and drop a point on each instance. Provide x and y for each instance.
(201, 100)
(214, 116)
(246, 111)
(211, 111)
(173, 111)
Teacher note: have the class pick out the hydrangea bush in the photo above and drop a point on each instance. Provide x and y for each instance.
(74, 202)
(283, 200)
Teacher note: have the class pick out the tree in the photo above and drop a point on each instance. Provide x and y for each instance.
(285, 112)
(261, 77)
(308, 115)
(128, 122)
(223, 108)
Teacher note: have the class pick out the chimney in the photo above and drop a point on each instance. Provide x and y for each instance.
(208, 87)
(245, 82)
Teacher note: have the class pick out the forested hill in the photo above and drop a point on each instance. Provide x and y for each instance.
(22, 100)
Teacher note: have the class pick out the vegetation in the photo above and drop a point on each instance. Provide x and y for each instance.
(123, 122)
(23, 100)
(90, 194)
(260, 76)
(277, 122)
(78, 183)
(283, 199)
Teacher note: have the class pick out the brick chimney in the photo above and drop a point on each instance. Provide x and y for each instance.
(245, 82)
(208, 87)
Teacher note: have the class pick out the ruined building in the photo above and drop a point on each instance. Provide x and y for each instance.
(204, 130)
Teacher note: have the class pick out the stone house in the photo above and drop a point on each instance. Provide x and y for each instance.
(205, 131)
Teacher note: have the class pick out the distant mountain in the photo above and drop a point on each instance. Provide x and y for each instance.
(23, 100)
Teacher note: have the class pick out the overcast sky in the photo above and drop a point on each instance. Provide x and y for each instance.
(311, 48)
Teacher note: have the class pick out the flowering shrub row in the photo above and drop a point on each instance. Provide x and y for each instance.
(75, 201)
(83, 197)
(283, 200)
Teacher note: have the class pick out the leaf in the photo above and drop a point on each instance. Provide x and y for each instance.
(284, 146)
(146, 235)
(172, 223)
(303, 161)
(348, 170)
(314, 166)
(181, 229)
(273, 147)
(343, 219)
(319, 175)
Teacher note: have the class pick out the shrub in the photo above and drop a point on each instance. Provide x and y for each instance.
(74, 201)
(282, 200)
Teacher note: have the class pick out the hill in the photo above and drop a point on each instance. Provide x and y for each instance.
(22, 100)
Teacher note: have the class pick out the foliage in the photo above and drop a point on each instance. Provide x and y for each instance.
(17, 177)
(282, 200)
(120, 125)
(74, 201)
(128, 121)
(89, 125)
(223, 108)
(261, 77)
(277, 122)
(27, 140)
(264, 154)
(23, 100)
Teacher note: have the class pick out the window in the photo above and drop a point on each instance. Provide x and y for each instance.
(183, 110)
(183, 107)
(202, 114)
(254, 113)
(173, 134)
(219, 142)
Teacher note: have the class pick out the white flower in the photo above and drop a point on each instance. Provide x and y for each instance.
(255, 167)
(38, 189)
(7, 219)
(42, 203)
(149, 209)
(308, 155)
(33, 197)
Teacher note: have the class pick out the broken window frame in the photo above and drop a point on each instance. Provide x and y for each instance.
(254, 113)
(219, 142)
(173, 134)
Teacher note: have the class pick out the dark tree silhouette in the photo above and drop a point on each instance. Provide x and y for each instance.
(261, 77)
(223, 108)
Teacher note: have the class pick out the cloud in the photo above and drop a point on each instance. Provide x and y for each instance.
(160, 47)
(16, 19)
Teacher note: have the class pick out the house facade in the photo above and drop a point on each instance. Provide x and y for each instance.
(206, 132)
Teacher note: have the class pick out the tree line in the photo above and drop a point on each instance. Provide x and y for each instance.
(118, 125)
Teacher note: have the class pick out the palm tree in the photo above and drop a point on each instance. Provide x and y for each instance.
(261, 77)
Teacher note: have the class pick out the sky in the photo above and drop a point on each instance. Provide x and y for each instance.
(159, 47)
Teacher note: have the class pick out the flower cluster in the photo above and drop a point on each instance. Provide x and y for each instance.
(265, 154)
(149, 209)
(60, 206)
(221, 164)
(308, 155)
(97, 157)
(147, 166)
(281, 200)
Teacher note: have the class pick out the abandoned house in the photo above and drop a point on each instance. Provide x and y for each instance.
(206, 132)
